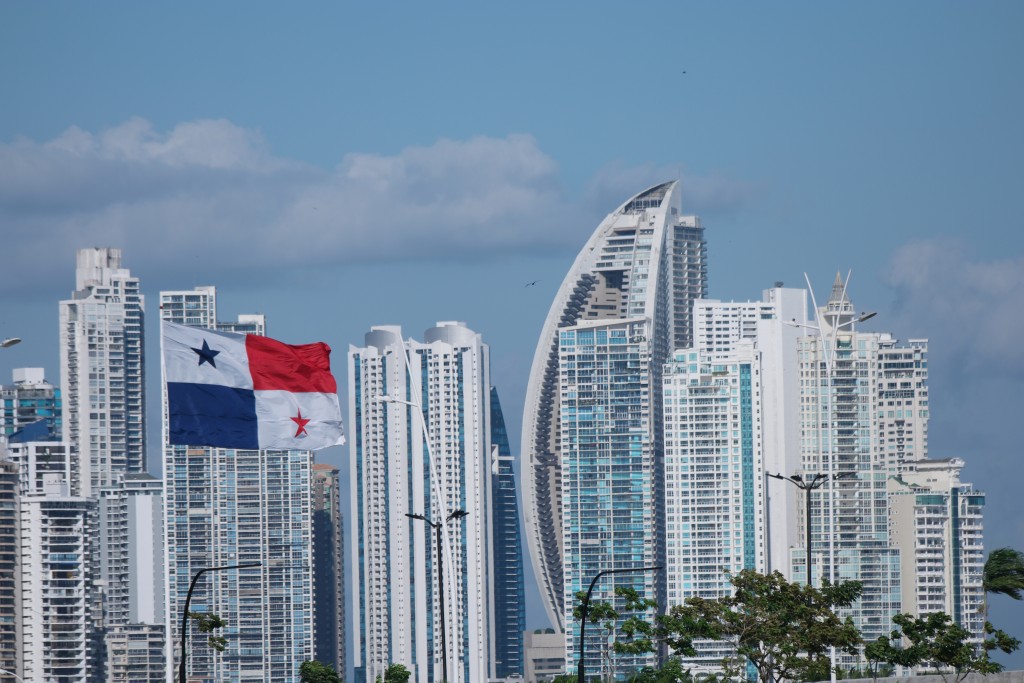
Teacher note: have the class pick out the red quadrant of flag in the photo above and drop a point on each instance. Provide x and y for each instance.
(283, 367)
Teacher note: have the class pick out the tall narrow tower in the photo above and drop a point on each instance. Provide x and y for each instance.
(328, 568)
(592, 420)
(400, 467)
(101, 371)
(10, 566)
(509, 587)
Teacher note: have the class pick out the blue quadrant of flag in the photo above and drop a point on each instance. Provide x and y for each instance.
(203, 414)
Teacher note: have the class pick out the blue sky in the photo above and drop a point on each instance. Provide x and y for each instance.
(340, 166)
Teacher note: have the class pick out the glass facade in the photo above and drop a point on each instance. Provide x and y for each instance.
(643, 266)
(608, 471)
(509, 590)
(715, 514)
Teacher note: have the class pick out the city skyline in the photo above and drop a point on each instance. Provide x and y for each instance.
(808, 138)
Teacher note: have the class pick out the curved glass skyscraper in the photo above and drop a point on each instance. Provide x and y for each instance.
(592, 420)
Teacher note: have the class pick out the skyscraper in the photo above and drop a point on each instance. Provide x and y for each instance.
(610, 509)
(10, 566)
(592, 420)
(102, 360)
(328, 568)
(227, 507)
(57, 568)
(714, 472)
(772, 325)
(131, 535)
(440, 386)
(509, 588)
(864, 416)
(936, 522)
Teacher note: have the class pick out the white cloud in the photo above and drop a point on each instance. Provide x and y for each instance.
(210, 195)
(970, 307)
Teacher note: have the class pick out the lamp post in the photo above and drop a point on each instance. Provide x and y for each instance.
(581, 675)
(828, 351)
(435, 473)
(7, 343)
(188, 601)
(438, 527)
(815, 481)
(5, 672)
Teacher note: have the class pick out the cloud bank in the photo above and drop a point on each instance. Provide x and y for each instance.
(971, 308)
(209, 196)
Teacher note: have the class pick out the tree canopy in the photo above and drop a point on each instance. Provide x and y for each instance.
(1004, 573)
(313, 671)
(784, 629)
(936, 641)
(395, 673)
(634, 635)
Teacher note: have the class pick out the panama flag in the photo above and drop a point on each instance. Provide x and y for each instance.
(248, 392)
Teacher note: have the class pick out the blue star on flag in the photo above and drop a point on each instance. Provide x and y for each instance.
(206, 354)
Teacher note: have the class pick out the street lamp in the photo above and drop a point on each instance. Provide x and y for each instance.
(581, 675)
(835, 313)
(188, 600)
(805, 484)
(7, 343)
(438, 527)
(5, 672)
(435, 467)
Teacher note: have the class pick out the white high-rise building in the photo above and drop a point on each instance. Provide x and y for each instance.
(396, 471)
(592, 432)
(730, 417)
(714, 476)
(102, 360)
(228, 507)
(131, 533)
(57, 535)
(10, 566)
(864, 418)
(773, 325)
(936, 522)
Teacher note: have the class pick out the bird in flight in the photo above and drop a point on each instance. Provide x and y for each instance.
(531, 284)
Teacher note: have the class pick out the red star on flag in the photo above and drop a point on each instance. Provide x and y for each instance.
(301, 422)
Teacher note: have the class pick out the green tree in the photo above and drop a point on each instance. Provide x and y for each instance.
(936, 641)
(313, 671)
(1003, 575)
(208, 622)
(634, 635)
(783, 629)
(671, 671)
(395, 673)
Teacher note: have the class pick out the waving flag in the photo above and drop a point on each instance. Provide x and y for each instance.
(246, 391)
